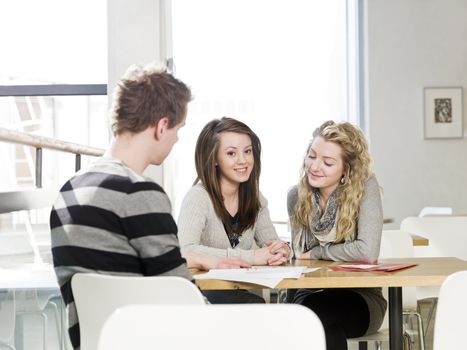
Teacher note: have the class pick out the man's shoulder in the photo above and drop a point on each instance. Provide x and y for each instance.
(111, 175)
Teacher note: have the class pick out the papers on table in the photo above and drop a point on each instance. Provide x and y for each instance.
(268, 276)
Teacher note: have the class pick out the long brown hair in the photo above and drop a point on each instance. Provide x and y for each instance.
(208, 174)
(357, 171)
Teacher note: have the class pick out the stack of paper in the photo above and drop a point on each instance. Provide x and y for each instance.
(263, 275)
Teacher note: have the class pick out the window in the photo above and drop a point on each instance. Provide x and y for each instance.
(282, 67)
(53, 41)
(53, 82)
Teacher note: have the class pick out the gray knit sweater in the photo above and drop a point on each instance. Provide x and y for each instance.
(201, 231)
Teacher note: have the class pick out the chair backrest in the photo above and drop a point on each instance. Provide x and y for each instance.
(97, 296)
(450, 313)
(427, 211)
(7, 315)
(399, 244)
(213, 327)
(396, 244)
(447, 235)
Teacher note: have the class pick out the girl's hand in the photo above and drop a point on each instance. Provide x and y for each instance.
(277, 246)
(262, 256)
(207, 262)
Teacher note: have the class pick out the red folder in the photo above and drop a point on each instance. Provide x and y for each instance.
(359, 266)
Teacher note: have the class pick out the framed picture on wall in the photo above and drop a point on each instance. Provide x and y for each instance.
(443, 115)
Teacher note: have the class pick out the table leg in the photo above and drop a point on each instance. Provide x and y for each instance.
(395, 318)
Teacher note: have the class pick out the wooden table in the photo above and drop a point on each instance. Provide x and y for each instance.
(428, 272)
(418, 240)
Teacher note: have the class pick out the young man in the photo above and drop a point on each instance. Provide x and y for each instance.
(111, 219)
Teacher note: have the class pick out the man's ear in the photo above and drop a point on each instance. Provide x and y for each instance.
(161, 126)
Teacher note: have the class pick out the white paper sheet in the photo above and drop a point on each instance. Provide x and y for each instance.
(268, 276)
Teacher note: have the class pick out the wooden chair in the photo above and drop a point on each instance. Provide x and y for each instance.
(213, 327)
(97, 296)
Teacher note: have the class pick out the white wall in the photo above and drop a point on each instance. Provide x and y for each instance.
(135, 36)
(411, 44)
(414, 44)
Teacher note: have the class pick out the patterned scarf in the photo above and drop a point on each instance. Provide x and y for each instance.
(320, 223)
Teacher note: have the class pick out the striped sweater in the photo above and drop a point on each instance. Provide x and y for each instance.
(111, 220)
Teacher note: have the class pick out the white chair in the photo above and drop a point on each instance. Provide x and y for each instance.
(7, 319)
(29, 302)
(35, 302)
(450, 314)
(397, 244)
(97, 296)
(213, 327)
(447, 237)
(435, 211)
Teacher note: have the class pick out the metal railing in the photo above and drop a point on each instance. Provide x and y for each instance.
(23, 200)
(42, 142)
(38, 198)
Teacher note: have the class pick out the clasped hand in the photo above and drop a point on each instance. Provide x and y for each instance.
(273, 253)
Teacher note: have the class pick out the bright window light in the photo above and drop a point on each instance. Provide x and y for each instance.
(282, 67)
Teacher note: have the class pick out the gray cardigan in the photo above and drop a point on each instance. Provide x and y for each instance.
(364, 248)
(201, 231)
(369, 227)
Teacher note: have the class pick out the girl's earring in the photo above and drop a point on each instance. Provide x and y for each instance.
(342, 180)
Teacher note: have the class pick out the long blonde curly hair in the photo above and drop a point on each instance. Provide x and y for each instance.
(357, 162)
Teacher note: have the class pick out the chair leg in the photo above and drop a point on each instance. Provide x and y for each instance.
(420, 328)
(281, 296)
(6, 345)
(266, 295)
(58, 323)
(44, 333)
(43, 316)
(407, 341)
(430, 314)
(434, 303)
(421, 333)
